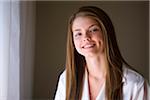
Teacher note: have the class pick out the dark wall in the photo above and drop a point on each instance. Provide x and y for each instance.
(131, 24)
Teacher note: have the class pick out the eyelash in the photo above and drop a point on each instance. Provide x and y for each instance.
(90, 31)
(94, 30)
(78, 34)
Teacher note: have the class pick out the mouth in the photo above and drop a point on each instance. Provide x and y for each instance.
(87, 46)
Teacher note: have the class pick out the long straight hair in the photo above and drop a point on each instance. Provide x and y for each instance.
(75, 63)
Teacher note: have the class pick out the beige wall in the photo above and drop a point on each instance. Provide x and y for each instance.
(26, 53)
(129, 18)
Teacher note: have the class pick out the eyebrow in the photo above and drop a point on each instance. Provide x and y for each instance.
(88, 27)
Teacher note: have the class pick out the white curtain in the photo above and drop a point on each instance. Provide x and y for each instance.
(16, 49)
(4, 47)
(9, 50)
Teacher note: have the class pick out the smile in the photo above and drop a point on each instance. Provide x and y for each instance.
(88, 46)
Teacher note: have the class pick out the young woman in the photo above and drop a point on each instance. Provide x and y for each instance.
(95, 69)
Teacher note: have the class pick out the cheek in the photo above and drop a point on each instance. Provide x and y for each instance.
(102, 44)
(77, 45)
(100, 40)
(100, 37)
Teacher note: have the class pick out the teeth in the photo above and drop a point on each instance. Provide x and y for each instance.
(88, 46)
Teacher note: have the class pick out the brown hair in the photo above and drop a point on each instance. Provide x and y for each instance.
(75, 63)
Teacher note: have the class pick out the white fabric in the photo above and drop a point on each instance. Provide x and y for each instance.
(133, 88)
(9, 50)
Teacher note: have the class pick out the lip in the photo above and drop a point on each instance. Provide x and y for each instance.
(89, 45)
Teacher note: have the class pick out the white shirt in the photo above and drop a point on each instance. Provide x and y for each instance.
(133, 88)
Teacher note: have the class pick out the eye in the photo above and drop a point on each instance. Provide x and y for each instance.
(93, 30)
(78, 34)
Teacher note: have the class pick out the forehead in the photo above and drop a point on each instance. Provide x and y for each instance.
(83, 22)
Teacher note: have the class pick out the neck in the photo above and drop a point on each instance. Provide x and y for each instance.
(96, 66)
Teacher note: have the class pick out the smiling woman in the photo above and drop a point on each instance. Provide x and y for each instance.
(95, 68)
(87, 36)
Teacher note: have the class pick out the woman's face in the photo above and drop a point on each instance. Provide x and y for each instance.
(87, 36)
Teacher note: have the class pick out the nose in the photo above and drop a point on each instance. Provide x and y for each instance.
(87, 36)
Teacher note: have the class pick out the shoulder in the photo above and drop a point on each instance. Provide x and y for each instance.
(62, 77)
(132, 77)
(60, 92)
(135, 86)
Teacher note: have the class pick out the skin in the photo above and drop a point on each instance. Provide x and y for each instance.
(89, 42)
